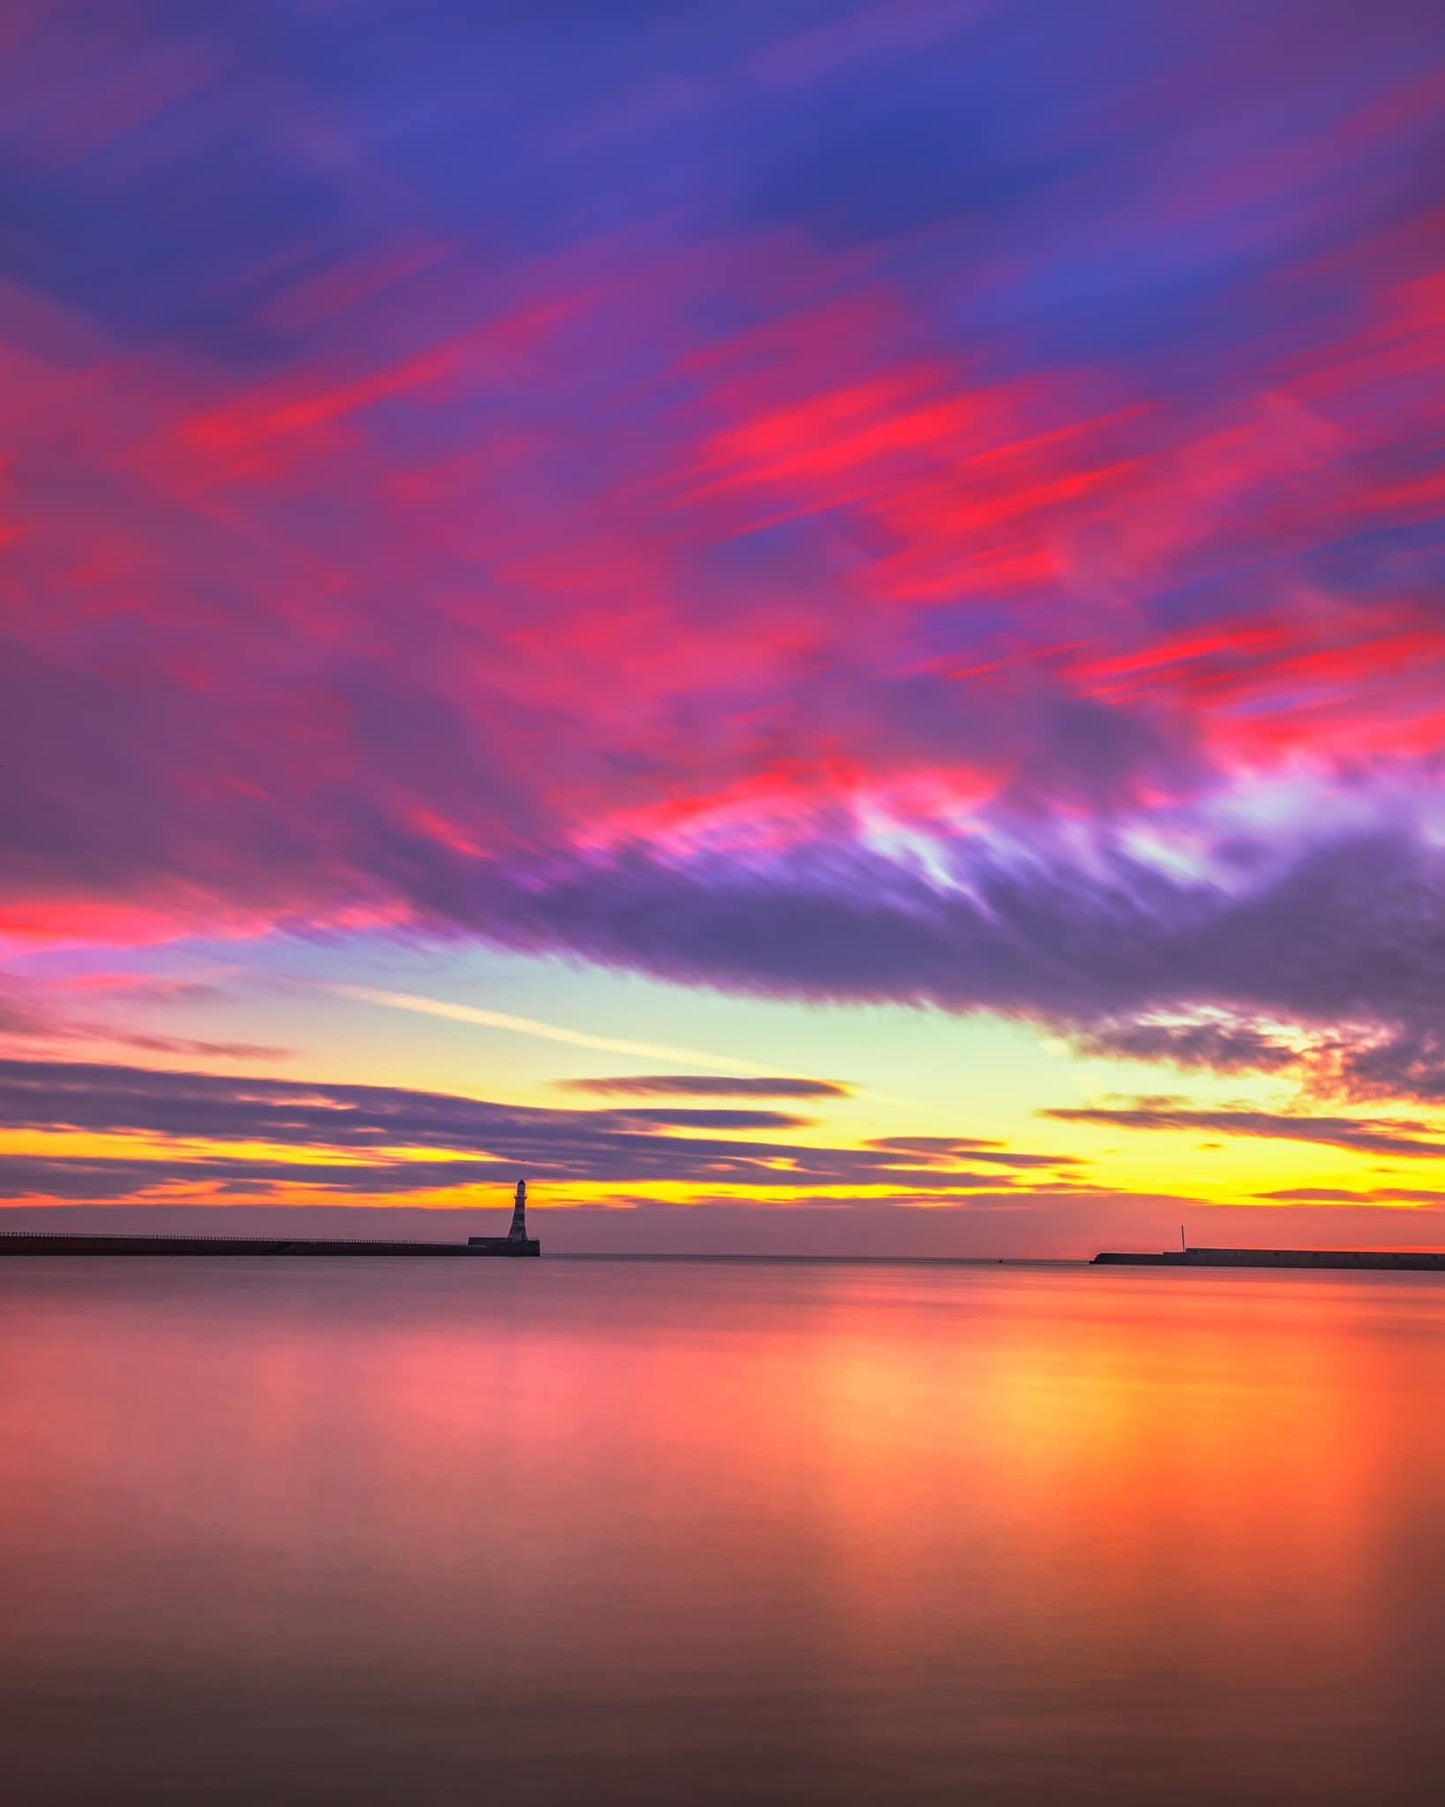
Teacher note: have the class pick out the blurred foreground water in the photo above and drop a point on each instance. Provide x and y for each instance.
(669, 1532)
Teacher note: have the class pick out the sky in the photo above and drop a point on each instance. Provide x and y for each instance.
(820, 626)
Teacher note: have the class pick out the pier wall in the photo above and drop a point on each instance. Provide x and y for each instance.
(1383, 1260)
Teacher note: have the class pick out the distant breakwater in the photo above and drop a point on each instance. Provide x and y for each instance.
(1383, 1260)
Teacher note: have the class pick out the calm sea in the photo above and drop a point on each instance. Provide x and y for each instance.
(693, 1533)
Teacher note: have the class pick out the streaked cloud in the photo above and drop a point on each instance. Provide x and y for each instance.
(366, 1140)
(547, 1032)
(1389, 1136)
(1375, 1195)
(28, 1014)
(694, 1085)
(974, 543)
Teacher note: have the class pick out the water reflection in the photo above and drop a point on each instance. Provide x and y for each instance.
(668, 1532)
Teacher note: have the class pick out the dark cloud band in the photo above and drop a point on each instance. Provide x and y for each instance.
(377, 1133)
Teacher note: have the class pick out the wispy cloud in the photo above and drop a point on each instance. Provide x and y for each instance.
(1374, 1195)
(696, 1085)
(1367, 1135)
(370, 1140)
(28, 1016)
(547, 1032)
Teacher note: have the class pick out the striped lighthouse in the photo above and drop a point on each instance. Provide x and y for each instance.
(516, 1241)
(518, 1231)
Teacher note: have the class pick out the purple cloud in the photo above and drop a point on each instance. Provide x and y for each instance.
(26, 1015)
(1375, 1195)
(375, 1131)
(974, 543)
(703, 1085)
(1367, 1135)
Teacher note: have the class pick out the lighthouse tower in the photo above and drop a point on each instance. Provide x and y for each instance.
(515, 1242)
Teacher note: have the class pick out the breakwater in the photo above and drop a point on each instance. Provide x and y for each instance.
(25, 1243)
(60, 1242)
(1384, 1260)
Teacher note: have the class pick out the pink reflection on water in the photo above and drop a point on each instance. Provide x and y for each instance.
(658, 1531)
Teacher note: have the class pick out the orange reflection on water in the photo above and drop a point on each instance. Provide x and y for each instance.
(660, 1531)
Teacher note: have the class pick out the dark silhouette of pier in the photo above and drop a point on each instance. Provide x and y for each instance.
(1381, 1260)
(515, 1242)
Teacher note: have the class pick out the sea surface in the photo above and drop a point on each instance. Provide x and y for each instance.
(628, 1532)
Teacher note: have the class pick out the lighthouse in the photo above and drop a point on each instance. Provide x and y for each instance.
(518, 1231)
(516, 1241)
